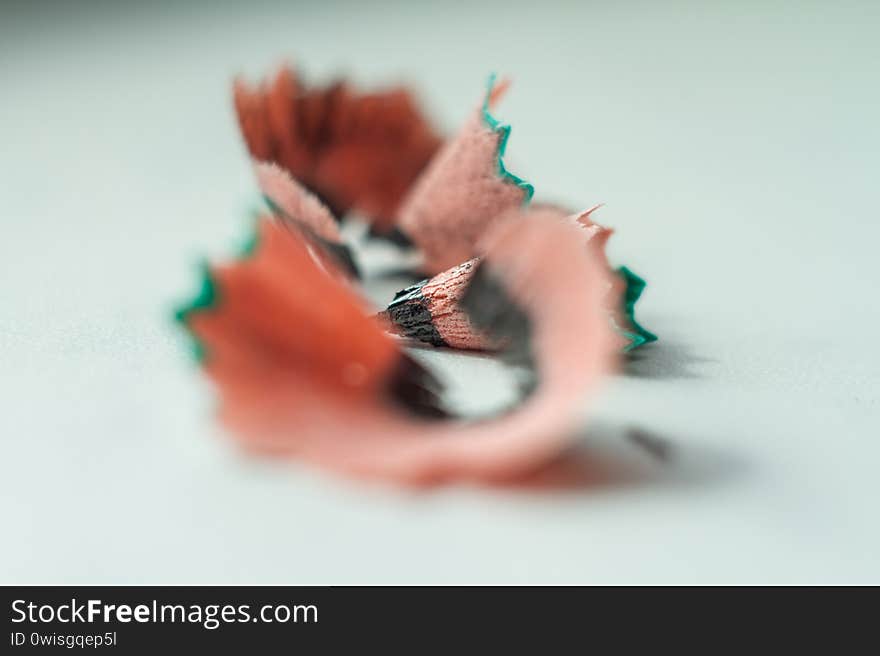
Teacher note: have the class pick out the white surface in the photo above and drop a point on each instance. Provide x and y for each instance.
(736, 149)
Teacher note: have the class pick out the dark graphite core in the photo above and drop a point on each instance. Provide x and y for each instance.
(410, 314)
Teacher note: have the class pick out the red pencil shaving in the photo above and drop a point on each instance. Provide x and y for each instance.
(356, 151)
(464, 188)
(303, 370)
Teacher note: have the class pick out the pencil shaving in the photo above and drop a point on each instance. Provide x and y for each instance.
(464, 188)
(300, 210)
(304, 371)
(430, 310)
(356, 151)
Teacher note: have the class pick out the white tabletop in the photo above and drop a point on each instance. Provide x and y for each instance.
(736, 150)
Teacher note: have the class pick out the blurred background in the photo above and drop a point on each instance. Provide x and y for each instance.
(736, 148)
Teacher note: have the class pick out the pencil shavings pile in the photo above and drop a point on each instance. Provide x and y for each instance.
(305, 368)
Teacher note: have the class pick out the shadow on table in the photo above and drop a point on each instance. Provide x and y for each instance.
(607, 459)
(664, 360)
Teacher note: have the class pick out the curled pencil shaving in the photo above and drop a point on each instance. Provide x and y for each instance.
(294, 203)
(302, 370)
(275, 317)
(463, 189)
(300, 210)
(430, 311)
(356, 151)
(624, 290)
